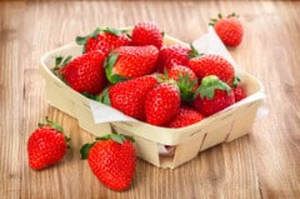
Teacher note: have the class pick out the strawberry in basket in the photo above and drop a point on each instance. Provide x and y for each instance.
(238, 90)
(103, 39)
(185, 117)
(229, 29)
(112, 159)
(213, 95)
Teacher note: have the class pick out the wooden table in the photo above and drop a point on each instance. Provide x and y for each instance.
(264, 164)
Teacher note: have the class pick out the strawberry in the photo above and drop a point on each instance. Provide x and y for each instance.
(185, 117)
(162, 103)
(147, 33)
(112, 159)
(173, 55)
(105, 40)
(129, 96)
(186, 79)
(238, 90)
(212, 65)
(214, 95)
(130, 61)
(46, 146)
(85, 73)
(229, 29)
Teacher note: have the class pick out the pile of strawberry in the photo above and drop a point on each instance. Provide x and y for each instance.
(170, 86)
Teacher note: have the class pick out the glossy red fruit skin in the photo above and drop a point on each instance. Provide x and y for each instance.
(135, 61)
(212, 65)
(162, 104)
(86, 73)
(106, 42)
(113, 163)
(129, 96)
(178, 70)
(220, 101)
(147, 33)
(46, 146)
(185, 117)
(172, 55)
(239, 93)
(230, 31)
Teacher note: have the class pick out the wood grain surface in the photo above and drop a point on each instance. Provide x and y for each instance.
(264, 164)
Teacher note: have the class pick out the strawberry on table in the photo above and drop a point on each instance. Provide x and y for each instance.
(229, 29)
(173, 55)
(112, 158)
(147, 33)
(212, 65)
(162, 103)
(128, 62)
(46, 146)
(214, 95)
(186, 79)
(129, 96)
(185, 117)
(85, 73)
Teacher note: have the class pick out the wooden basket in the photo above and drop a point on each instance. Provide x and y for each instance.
(225, 126)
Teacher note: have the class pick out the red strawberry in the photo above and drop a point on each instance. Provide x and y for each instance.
(129, 96)
(212, 65)
(162, 103)
(104, 40)
(46, 146)
(185, 117)
(214, 95)
(130, 61)
(229, 29)
(173, 55)
(147, 33)
(85, 73)
(186, 79)
(238, 90)
(112, 159)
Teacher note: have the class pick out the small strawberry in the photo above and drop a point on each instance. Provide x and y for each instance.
(238, 90)
(112, 159)
(104, 40)
(185, 117)
(85, 73)
(147, 33)
(214, 95)
(46, 146)
(129, 96)
(186, 79)
(212, 65)
(173, 55)
(162, 103)
(229, 29)
(128, 62)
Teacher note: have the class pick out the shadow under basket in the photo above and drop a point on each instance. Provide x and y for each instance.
(183, 143)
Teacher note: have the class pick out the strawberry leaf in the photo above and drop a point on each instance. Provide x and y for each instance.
(236, 81)
(209, 84)
(186, 87)
(58, 60)
(114, 31)
(85, 149)
(104, 97)
(109, 65)
(194, 52)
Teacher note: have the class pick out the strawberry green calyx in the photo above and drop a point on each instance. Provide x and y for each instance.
(186, 87)
(82, 40)
(52, 124)
(119, 138)
(114, 31)
(104, 97)
(194, 52)
(60, 62)
(236, 81)
(213, 21)
(109, 65)
(209, 84)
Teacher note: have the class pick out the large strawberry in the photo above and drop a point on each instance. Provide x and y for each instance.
(229, 29)
(147, 33)
(112, 159)
(214, 95)
(185, 117)
(128, 62)
(46, 146)
(162, 103)
(212, 65)
(103, 39)
(186, 79)
(85, 73)
(129, 96)
(173, 55)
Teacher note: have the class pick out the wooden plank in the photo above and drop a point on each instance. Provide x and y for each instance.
(265, 164)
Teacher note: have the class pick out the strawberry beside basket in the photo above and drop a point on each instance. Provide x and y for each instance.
(185, 143)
